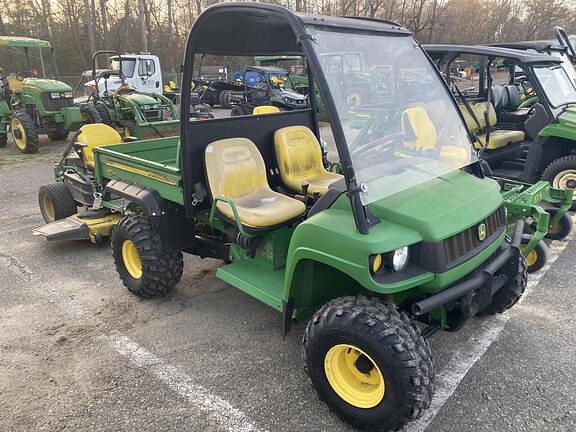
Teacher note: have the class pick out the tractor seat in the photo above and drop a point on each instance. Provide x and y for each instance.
(418, 129)
(96, 135)
(300, 160)
(501, 138)
(265, 109)
(236, 171)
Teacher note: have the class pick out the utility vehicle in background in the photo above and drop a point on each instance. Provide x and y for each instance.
(270, 86)
(34, 102)
(409, 240)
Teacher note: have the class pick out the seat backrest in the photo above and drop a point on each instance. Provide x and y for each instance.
(422, 134)
(298, 154)
(14, 84)
(513, 96)
(470, 122)
(265, 109)
(234, 167)
(96, 135)
(500, 97)
(479, 109)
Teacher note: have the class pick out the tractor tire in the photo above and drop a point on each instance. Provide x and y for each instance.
(561, 174)
(24, 132)
(104, 115)
(538, 257)
(562, 228)
(224, 99)
(145, 265)
(3, 140)
(56, 202)
(356, 97)
(393, 378)
(58, 134)
(509, 294)
(90, 114)
(239, 110)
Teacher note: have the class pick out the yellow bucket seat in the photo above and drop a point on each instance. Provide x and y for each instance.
(300, 160)
(265, 109)
(96, 135)
(425, 135)
(236, 170)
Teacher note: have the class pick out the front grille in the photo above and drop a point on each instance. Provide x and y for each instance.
(153, 115)
(56, 104)
(461, 245)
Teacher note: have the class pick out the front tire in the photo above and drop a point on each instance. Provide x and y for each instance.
(24, 132)
(56, 202)
(537, 258)
(561, 174)
(90, 114)
(146, 266)
(369, 363)
(3, 140)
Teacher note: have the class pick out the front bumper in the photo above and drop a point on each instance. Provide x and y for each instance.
(475, 293)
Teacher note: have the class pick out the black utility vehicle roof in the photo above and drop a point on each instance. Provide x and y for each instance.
(248, 29)
(541, 45)
(520, 56)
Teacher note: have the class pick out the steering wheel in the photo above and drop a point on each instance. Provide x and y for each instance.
(23, 75)
(379, 146)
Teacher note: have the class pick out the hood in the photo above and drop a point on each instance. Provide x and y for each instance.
(442, 206)
(46, 85)
(293, 94)
(140, 98)
(568, 117)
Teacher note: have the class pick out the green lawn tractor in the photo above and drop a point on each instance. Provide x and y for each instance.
(268, 86)
(141, 115)
(410, 239)
(30, 106)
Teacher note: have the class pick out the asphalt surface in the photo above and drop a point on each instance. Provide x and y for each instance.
(65, 318)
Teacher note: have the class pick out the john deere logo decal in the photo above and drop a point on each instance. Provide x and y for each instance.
(481, 232)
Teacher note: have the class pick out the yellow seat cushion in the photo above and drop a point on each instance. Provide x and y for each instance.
(500, 138)
(14, 84)
(417, 120)
(236, 170)
(96, 135)
(300, 160)
(265, 109)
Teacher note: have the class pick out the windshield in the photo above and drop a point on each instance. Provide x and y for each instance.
(559, 88)
(566, 64)
(401, 126)
(128, 66)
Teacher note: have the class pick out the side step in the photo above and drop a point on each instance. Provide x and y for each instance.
(79, 227)
(262, 283)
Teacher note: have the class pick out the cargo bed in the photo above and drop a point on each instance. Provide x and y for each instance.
(150, 163)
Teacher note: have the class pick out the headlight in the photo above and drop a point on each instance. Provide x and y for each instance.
(156, 106)
(68, 95)
(145, 107)
(400, 259)
(54, 95)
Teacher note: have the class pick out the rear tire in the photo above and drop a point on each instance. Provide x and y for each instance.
(129, 129)
(509, 294)
(356, 343)
(58, 134)
(56, 202)
(239, 110)
(146, 266)
(90, 114)
(24, 132)
(561, 174)
(562, 228)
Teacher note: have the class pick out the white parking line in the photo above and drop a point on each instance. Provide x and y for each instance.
(449, 378)
(217, 409)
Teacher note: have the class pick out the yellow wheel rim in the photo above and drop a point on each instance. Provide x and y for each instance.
(531, 258)
(18, 129)
(127, 132)
(555, 229)
(131, 259)
(354, 99)
(48, 207)
(354, 376)
(565, 180)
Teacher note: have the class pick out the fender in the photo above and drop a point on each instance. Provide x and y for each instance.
(149, 200)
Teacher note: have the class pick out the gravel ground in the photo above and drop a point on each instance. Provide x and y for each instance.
(78, 352)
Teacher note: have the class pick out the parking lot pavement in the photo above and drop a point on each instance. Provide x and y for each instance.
(78, 352)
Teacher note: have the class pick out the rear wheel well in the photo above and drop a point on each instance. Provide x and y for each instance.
(554, 148)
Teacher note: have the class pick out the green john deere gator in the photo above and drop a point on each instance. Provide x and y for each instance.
(409, 240)
(30, 105)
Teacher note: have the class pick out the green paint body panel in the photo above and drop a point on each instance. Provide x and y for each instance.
(564, 128)
(23, 42)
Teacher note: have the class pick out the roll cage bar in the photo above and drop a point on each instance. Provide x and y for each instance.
(96, 76)
(216, 32)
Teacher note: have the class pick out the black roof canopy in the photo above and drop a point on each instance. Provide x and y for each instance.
(541, 45)
(249, 29)
(521, 56)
